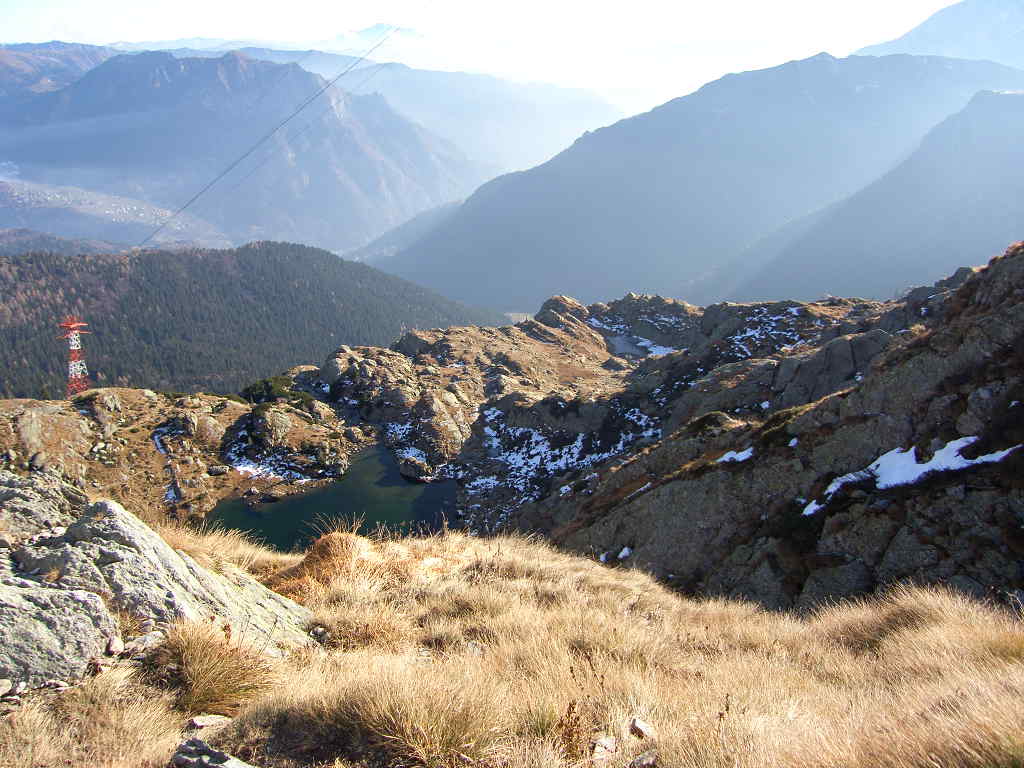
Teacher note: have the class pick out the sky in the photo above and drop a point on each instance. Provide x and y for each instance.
(636, 54)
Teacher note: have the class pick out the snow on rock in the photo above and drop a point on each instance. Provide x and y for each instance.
(272, 467)
(638, 491)
(411, 453)
(397, 431)
(762, 327)
(900, 467)
(158, 438)
(734, 457)
(652, 348)
(482, 485)
(529, 455)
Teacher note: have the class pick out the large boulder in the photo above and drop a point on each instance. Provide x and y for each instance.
(61, 587)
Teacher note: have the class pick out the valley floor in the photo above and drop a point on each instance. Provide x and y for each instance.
(452, 650)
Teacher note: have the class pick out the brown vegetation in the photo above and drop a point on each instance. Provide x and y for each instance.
(453, 651)
(111, 721)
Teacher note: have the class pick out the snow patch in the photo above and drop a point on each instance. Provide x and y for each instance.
(732, 457)
(654, 349)
(411, 453)
(626, 552)
(396, 431)
(900, 467)
(638, 491)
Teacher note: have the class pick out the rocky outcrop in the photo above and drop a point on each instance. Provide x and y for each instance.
(50, 634)
(166, 455)
(511, 411)
(910, 472)
(35, 505)
(62, 587)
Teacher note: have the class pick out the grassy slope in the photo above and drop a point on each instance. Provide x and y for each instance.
(450, 651)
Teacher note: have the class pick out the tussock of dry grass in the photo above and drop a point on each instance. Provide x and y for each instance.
(112, 721)
(210, 671)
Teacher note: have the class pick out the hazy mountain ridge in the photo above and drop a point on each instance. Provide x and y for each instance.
(501, 125)
(157, 128)
(17, 241)
(973, 29)
(655, 201)
(959, 195)
(30, 68)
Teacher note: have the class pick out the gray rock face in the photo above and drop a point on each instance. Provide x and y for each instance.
(61, 586)
(48, 633)
(767, 527)
(198, 753)
(837, 364)
(32, 506)
(113, 554)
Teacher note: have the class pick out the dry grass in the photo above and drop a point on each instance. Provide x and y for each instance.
(210, 671)
(504, 653)
(452, 651)
(219, 549)
(112, 721)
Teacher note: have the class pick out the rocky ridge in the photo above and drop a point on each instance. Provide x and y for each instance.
(909, 471)
(592, 424)
(516, 413)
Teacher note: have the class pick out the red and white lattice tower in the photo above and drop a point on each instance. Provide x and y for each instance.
(78, 374)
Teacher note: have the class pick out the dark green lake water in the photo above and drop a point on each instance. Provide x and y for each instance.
(372, 490)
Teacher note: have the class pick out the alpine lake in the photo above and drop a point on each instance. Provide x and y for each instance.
(372, 492)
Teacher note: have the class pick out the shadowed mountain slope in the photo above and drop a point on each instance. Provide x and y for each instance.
(652, 203)
(957, 199)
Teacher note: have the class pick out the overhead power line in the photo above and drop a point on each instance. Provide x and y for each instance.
(293, 136)
(266, 137)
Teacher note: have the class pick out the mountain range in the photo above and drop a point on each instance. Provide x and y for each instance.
(660, 201)
(501, 125)
(30, 68)
(155, 128)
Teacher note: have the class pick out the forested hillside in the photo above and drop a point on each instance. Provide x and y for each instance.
(211, 320)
